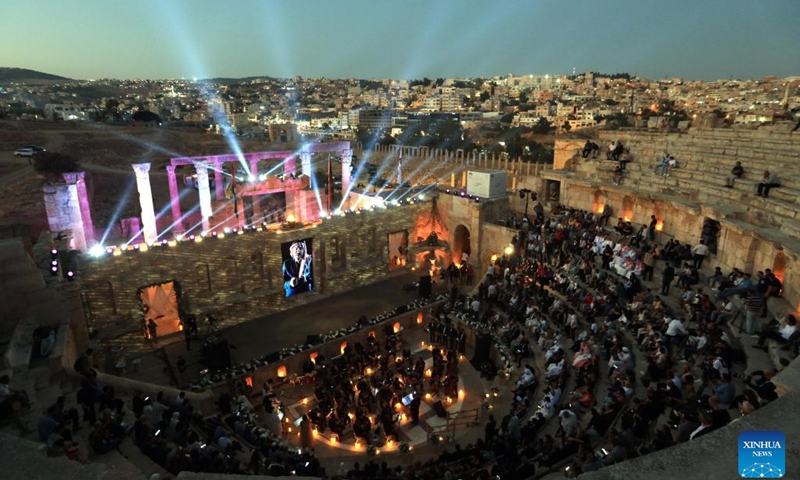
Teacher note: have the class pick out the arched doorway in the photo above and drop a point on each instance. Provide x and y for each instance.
(779, 266)
(627, 209)
(599, 203)
(461, 243)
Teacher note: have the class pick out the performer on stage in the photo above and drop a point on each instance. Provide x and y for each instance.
(297, 270)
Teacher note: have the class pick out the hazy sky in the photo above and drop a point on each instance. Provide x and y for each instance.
(703, 39)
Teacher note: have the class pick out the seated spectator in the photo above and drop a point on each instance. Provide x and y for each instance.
(619, 173)
(736, 172)
(769, 181)
(662, 165)
(780, 333)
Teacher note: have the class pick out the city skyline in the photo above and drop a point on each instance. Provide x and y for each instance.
(88, 39)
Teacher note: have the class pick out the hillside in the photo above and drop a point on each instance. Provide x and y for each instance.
(24, 75)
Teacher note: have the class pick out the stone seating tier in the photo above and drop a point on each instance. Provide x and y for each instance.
(775, 217)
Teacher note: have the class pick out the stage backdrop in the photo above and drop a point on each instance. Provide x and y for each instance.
(160, 302)
(398, 248)
(298, 266)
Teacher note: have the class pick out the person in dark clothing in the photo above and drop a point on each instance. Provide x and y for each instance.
(414, 407)
(667, 276)
(490, 430)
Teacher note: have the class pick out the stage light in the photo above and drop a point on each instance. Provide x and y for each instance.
(109, 249)
(54, 271)
(172, 243)
(226, 230)
(97, 250)
(422, 197)
(54, 263)
(54, 252)
(70, 275)
(291, 218)
(142, 247)
(508, 250)
(251, 178)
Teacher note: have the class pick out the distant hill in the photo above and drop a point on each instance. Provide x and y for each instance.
(23, 75)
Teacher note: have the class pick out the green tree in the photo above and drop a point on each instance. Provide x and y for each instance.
(54, 164)
(543, 126)
(485, 96)
(567, 126)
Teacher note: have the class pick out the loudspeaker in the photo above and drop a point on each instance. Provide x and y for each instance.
(425, 286)
(483, 342)
(441, 412)
(313, 339)
(217, 355)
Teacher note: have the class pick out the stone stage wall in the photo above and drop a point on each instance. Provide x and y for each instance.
(239, 277)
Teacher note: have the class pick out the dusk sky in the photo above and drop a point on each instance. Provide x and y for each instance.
(694, 39)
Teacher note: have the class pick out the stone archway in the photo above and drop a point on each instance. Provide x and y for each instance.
(779, 266)
(599, 202)
(628, 204)
(461, 243)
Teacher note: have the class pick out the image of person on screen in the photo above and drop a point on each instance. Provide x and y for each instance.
(297, 270)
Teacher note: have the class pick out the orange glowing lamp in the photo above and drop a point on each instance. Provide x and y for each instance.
(282, 371)
(342, 347)
(659, 226)
(396, 327)
(419, 318)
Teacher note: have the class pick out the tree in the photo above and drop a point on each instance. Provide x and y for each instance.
(567, 126)
(485, 96)
(54, 164)
(543, 126)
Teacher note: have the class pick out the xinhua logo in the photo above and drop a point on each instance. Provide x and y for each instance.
(762, 454)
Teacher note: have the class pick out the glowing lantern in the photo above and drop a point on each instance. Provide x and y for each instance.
(428, 373)
(305, 401)
(333, 439)
(509, 250)
(249, 381)
(419, 318)
(461, 393)
(494, 258)
(282, 371)
(398, 406)
(627, 218)
(601, 209)
(427, 396)
(342, 347)
(313, 357)
(396, 328)
(389, 443)
(660, 225)
(291, 218)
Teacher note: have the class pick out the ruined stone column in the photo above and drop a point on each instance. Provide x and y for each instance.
(219, 185)
(205, 193)
(79, 179)
(149, 230)
(175, 201)
(255, 198)
(64, 213)
(305, 163)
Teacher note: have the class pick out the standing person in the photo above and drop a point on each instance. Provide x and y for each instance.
(651, 230)
(490, 430)
(649, 263)
(666, 279)
(769, 181)
(305, 432)
(152, 330)
(414, 407)
(753, 303)
(699, 253)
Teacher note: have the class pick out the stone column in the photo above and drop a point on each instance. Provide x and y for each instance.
(175, 201)
(255, 198)
(64, 213)
(305, 163)
(79, 179)
(219, 185)
(205, 194)
(347, 170)
(149, 230)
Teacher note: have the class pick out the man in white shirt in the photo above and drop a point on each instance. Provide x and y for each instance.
(569, 423)
(676, 328)
(476, 307)
(706, 426)
(780, 335)
(699, 253)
